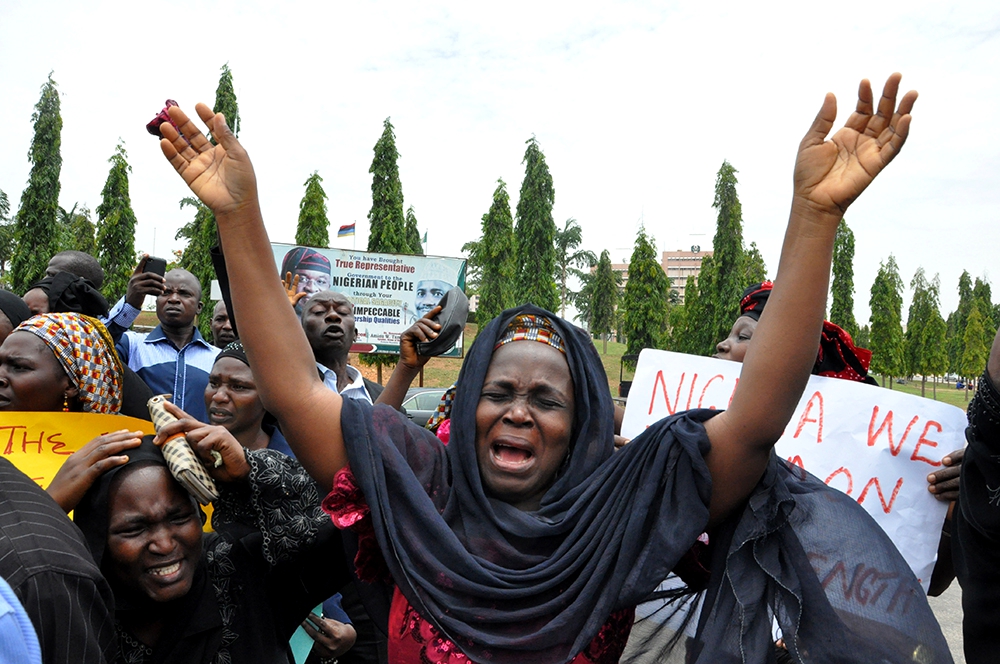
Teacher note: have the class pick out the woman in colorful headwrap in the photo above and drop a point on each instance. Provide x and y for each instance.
(838, 357)
(65, 292)
(526, 539)
(66, 362)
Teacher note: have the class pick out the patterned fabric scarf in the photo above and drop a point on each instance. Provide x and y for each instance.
(527, 327)
(304, 258)
(87, 355)
(755, 299)
(838, 357)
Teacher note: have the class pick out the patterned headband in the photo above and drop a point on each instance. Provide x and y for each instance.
(528, 327)
(87, 355)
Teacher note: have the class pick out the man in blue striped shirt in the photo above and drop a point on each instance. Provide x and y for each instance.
(174, 358)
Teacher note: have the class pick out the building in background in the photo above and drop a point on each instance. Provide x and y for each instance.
(679, 265)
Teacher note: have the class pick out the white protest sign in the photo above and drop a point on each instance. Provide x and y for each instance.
(874, 444)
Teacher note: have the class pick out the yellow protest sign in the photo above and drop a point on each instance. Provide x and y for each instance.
(39, 442)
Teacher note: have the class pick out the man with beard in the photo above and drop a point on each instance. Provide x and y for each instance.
(174, 358)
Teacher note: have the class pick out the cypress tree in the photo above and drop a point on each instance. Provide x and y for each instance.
(975, 351)
(842, 306)
(82, 233)
(6, 235)
(982, 297)
(724, 275)
(313, 228)
(413, 244)
(923, 308)
(957, 321)
(473, 269)
(225, 101)
(116, 227)
(754, 268)
(644, 304)
(201, 231)
(936, 352)
(728, 256)
(604, 298)
(864, 338)
(886, 323)
(64, 220)
(495, 256)
(386, 225)
(535, 233)
(36, 229)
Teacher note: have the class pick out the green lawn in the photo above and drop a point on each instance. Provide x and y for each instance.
(946, 392)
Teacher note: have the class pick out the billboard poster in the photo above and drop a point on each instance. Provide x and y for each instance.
(389, 291)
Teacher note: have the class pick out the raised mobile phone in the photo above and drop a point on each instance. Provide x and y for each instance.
(156, 265)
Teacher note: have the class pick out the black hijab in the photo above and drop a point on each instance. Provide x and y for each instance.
(91, 515)
(513, 586)
(69, 292)
(509, 586)
(14, 308)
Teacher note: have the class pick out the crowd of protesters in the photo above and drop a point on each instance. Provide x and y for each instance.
(514, 527)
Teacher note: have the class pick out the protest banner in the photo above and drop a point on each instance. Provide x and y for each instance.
(389, 291)
(874, 444)
(38, 443)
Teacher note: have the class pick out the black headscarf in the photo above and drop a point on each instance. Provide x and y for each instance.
(755, 299)
(14, 308)
(91, 515)
(234, 349)
(512, 586)
(69, 293)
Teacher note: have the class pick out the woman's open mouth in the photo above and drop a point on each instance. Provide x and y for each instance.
(510, 457)
(166, 573)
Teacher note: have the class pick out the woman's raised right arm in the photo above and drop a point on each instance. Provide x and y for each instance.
(223, 178)
(830, 173)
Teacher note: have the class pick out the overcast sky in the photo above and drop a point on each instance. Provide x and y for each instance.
(635, 106)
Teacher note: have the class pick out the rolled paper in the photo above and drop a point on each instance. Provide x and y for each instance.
(181, 459)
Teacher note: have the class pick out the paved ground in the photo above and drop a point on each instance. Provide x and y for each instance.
(948, 609)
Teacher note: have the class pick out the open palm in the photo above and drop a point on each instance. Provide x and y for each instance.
(220, 175)
(830, 174)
